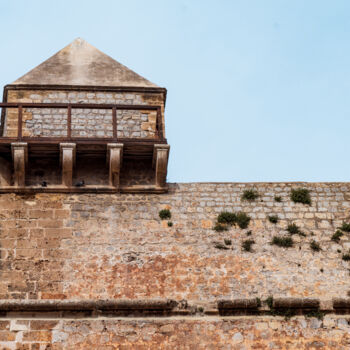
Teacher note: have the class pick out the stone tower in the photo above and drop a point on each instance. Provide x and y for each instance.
(81, 121)
(98, 252)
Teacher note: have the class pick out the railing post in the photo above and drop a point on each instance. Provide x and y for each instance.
(114, 121)
(69, 122)
(20, 117)
(159, 125)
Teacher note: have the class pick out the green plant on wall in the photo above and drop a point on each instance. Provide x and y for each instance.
(165, 214)
(278, 199)
(336, 236)
(242, 220)
(294, 229)
(249, 195)
(282, 241)
(301, 195)
(273, 219)
(226, 219)
(315, 246)
(345, 227)
(247, 245)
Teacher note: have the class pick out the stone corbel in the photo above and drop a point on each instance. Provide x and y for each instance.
(20, 161)
(160, 163)
(67, 161)
(114, 160)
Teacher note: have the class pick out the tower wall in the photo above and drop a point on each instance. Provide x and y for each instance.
(85, 122)
(76, 247)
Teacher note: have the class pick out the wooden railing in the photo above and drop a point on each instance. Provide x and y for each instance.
(159, 136)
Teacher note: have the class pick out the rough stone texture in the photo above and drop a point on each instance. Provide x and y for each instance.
(206, 333)
(114, 246)
(99, 246)
(85, 122)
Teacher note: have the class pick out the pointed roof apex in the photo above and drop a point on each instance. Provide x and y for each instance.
(79, 64)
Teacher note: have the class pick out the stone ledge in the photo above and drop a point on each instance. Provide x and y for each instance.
(86, 305)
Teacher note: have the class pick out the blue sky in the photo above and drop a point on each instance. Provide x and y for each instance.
(257, 90)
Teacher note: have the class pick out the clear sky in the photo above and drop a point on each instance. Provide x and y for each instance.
(258, 90)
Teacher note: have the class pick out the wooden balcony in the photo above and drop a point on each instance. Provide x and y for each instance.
(22, 148)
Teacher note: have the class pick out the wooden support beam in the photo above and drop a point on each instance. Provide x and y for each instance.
(114, 159)
(67, 160)
(20, 160)
(160, 163)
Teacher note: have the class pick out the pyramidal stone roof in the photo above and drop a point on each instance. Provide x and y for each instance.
(80, 63)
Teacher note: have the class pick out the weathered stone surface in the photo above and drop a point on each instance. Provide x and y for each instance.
(207, 333)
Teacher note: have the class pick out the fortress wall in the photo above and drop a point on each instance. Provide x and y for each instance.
(206, 334)
(52, 122)
(102, 246)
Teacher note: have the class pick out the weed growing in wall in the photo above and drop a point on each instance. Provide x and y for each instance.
(220, 227)
(315, 313)
(273, 219)
(221, 246)
(247, 245)
(242, 220)
(294, 229)
(315, 246)
(278, 199)
(228, 218)
(346, 256)
(227, 241)
(282, 241)
(336, 236)
(301, 195)
(165, 214)
(249, 195)
(170, 224)
(345, 227)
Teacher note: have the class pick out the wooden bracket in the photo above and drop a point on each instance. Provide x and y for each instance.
(67, 161)
(114, 159)
(20, 161)
(160, 163)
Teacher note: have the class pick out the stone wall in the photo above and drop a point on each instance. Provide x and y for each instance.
(207, 333)
(113, 246)
(85, 122)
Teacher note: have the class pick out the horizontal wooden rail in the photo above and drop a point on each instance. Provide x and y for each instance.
(159, 135)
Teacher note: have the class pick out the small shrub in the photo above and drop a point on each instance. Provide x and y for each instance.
(293, 229)
(345, 227)
(258, 302)
(250, 195)
(281, 241)
(269, 302)
(227, 241)
(315, 313)
(273, 219)
(247, 245)
(219, 245)
(249, 233)
(315, 246)
(336, 236)
(338, 251)
(278, 199)
(220, 227)
(300, 195)
(346, 257)
(170, 224)
(165, 214)
(226, 217)
(242, 220)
